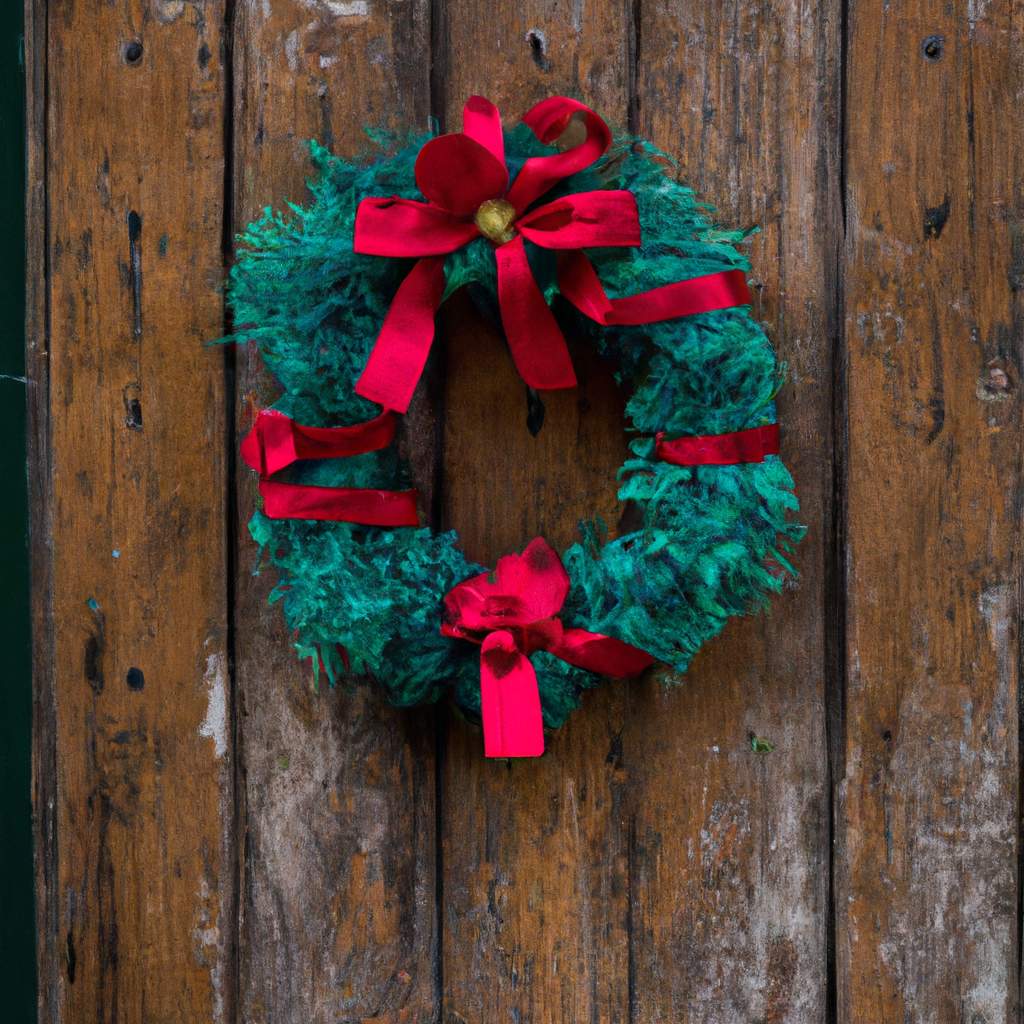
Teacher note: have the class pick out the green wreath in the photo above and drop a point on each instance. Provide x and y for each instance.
(369, 600)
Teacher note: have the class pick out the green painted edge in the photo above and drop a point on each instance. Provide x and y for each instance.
(17, 914)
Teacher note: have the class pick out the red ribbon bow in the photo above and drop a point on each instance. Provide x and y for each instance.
(276, 441)
(511, 615)
(466, 183)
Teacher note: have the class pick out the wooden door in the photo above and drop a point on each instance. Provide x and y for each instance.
(218, 842)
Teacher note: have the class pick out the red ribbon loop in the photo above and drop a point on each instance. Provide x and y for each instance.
(404, 227)
(583, 220)
(512, 615)
(548, 120)
(459, 172)
(720, 449)
(276, 441)
(481, 121)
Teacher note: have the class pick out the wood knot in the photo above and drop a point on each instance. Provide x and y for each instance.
(494, 219)
(994, 384)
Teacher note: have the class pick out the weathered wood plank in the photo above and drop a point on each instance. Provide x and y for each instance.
(534, 852)
(729, 848)
(139, 870)
(338, 920)
(927, 806)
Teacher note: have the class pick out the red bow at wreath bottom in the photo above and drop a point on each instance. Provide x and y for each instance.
(511, 615)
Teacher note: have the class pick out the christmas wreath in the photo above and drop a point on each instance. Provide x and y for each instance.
(340, 296)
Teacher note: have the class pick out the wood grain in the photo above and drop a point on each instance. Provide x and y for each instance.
(355, 863)
(927, 806)
(139, 867)
(338, 918)
(729, 847)
(534, 853)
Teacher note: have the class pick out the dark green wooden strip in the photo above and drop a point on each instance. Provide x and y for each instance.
(16, 906)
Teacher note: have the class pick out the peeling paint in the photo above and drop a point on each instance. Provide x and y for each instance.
(291, 50)
(354, 9)
(976, 11)
(215, 725)
(168, 10)
(209, 951)
(996, 605)
(343, 8)
(947, 897)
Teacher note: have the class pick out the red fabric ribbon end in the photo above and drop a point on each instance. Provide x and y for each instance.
(580, 285)
(276, 441)
(397, 360)
(509, 700)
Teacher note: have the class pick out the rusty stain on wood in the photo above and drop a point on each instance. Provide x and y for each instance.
(216, 842)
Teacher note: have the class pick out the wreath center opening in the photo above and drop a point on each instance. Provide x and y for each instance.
(504, 485)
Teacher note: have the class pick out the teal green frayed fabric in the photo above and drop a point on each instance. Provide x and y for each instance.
(713, 542)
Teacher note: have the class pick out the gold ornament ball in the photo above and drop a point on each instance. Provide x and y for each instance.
(494, 219)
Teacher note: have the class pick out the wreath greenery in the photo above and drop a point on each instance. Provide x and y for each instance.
(712, 540)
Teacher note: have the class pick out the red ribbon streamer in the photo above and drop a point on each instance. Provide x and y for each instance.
(276, 441)
(339, 504)
(720, 449)
(459, 172)
(512, 614)
(580, 285)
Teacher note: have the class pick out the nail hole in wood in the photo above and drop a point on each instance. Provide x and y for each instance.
(131, 396)
(133, 421)
(132, 52)
(935, 218)
(932, 48)
(136, 680)
(538, 48)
